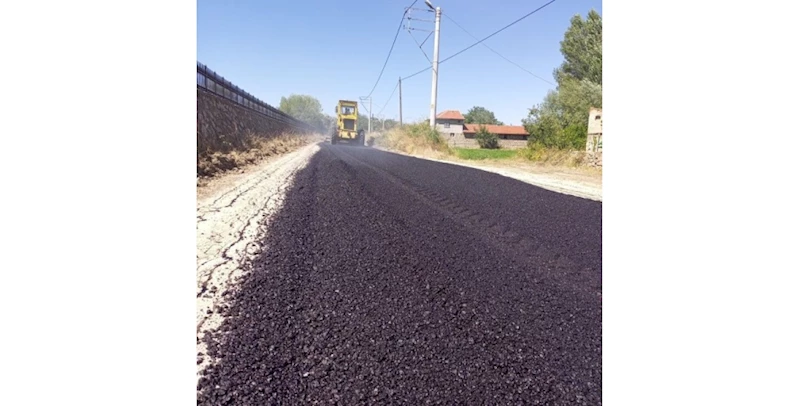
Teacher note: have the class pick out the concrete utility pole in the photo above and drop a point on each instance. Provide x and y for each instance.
(362, 98)
(433, 107)
(400, 101)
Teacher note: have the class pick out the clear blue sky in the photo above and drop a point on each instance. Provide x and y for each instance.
(335, 50)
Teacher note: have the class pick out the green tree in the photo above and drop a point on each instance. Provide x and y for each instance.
(581, 49)
(481, 115)
(329, 123)
(487, 139)
(305, 108)
(560, 121)
(576, 97)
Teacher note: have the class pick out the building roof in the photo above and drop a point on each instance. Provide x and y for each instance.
(497, 129)
(451, 115)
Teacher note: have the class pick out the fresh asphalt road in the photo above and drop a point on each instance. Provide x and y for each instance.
(387, 279)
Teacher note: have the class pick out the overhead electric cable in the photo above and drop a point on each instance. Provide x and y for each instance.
(500, 30)
(401, 22)
(483, 39)
(496, 52)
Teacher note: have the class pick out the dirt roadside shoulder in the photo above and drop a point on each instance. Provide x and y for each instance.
(222, 181)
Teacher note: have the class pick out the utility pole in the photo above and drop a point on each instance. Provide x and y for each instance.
(400, 101)
(433, 106)
(362, 98)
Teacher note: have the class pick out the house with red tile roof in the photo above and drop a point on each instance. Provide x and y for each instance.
(451, 124)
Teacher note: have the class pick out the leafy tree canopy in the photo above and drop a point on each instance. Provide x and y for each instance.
(581, 49)
(561, 119)
(481, 115)
(305, 108)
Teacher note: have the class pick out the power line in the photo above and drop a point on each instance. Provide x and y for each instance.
(483, 39)
(389, 98)
(502, 29)
(419, 72)
(401, 22)
(496, 52)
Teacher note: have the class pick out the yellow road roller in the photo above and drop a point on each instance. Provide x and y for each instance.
(346, 124)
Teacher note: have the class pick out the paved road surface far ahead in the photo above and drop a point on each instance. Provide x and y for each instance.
(392, 280)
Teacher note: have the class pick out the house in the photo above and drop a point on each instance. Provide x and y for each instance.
(451, 124)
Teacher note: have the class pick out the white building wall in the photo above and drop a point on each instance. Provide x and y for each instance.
(594, 131)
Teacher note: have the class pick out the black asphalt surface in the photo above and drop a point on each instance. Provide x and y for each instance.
(393, 280)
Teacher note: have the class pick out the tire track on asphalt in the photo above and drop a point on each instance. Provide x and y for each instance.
(379, 288)
(491, 231)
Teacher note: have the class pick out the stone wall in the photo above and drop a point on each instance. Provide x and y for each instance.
(594, 159)
(223, 125)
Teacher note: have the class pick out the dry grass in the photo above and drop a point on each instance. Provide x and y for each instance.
(553, 156)
(415, 139)
(252, 150)
(419, 140)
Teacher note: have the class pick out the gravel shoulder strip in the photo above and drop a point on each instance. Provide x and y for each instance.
(385, 279)
(230, 224)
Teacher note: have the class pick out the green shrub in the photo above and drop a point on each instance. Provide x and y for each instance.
(487, 139)
(575, 136)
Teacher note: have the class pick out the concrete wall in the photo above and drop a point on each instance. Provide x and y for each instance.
(222, 124)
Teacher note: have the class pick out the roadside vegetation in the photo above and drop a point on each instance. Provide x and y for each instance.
(487, 139)
(412, 139)
(559, 123)
(249, 149)
(482, 154)
(420, 140)
(553, 156)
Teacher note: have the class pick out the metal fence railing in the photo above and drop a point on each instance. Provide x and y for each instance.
(213, 82)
